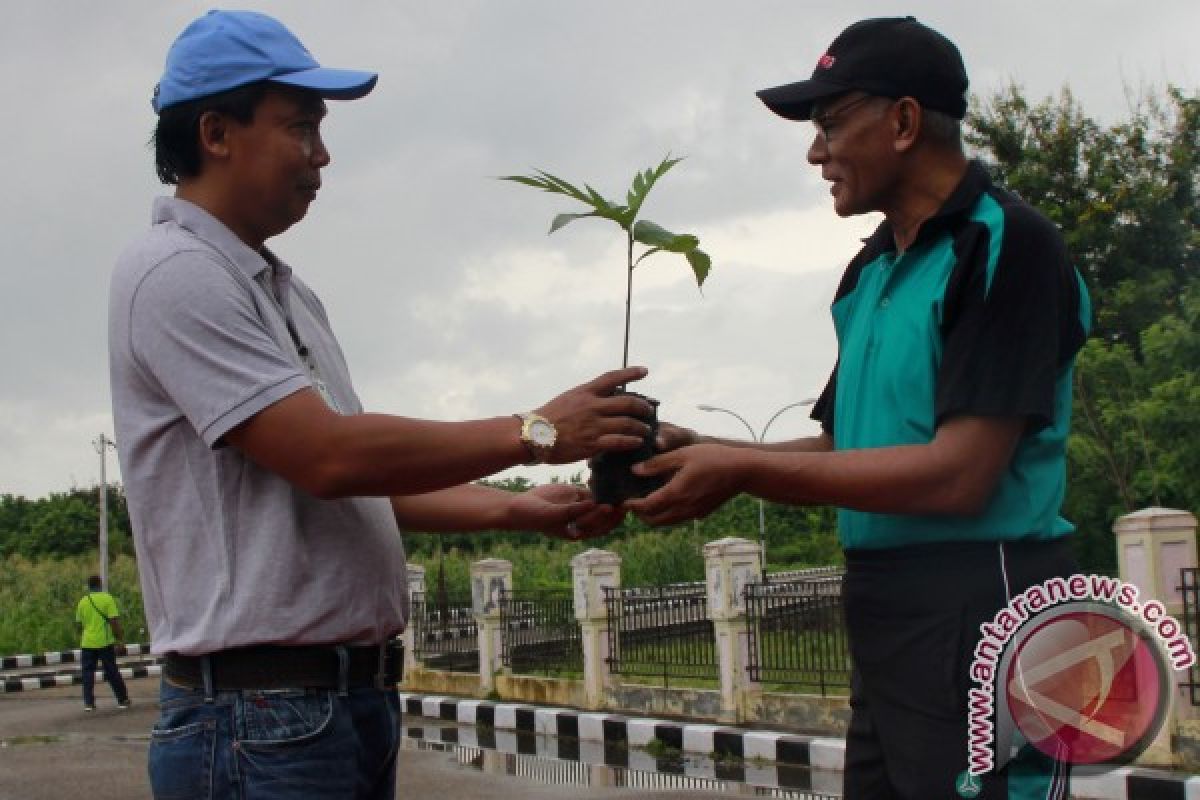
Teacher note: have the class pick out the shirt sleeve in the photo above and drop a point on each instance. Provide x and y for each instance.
(199, 335)
(822, 410)
(1007, 331)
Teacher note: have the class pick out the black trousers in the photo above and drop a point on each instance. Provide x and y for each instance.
(913, 616)
(107, 657)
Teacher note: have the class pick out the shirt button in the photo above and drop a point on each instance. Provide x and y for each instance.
(884, 302)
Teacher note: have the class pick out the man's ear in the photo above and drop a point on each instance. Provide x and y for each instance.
(907, 124)
(214, 134)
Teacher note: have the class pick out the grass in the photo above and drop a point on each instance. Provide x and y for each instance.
(38, 599)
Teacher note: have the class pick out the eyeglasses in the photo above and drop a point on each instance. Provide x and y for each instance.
(827, 121)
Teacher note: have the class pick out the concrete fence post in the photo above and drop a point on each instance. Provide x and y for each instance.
(591, 572)
(489, 578)
(416, 586)
(1153, 546)
(729, 565)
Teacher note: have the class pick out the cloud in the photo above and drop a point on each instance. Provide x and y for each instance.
(448, 297)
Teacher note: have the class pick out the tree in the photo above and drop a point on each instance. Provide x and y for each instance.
(1125, 198)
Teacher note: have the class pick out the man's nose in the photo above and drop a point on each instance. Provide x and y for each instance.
(320, 154)
(817, 151)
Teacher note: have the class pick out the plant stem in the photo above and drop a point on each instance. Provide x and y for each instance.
(628, 295)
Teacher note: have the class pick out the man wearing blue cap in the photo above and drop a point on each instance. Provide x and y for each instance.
(944, 423)
(265, 504)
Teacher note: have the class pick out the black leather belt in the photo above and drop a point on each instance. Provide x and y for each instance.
(281, 667)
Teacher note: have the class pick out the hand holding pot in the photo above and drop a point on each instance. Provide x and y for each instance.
(563, 511)
(590, 418)
(701, 478)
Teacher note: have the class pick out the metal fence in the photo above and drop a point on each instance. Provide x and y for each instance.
(540, 632)
(445, 635)
(661, 631)
(796, 632)
(1189, 588)
(807, 573)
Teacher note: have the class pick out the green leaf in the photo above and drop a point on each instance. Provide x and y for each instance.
(643, 182)
(588, 196)
(647, 254)
(564, 219)
(701, 264)
(649, 233)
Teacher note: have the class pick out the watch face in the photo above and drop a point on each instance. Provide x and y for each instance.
(542, 433)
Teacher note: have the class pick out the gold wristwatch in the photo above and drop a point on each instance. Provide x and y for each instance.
(538, 435)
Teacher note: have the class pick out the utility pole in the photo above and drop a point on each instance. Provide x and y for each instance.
(102, 443)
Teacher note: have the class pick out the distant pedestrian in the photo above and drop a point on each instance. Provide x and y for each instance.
(100, 622)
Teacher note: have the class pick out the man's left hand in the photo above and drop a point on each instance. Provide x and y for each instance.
(563, 511)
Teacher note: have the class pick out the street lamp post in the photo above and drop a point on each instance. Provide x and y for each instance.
(102, 443)
(759, 437)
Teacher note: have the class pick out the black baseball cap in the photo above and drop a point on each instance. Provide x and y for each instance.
(887, 56)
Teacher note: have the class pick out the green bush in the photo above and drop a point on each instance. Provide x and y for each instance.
(38, 600)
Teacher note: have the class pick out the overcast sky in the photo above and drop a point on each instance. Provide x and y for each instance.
(449, 298)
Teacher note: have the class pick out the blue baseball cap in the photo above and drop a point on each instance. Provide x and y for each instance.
(226, 49)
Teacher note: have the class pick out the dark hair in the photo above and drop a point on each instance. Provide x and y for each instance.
(94, 582)
(176, 138)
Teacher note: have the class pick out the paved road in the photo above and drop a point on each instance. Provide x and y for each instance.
(50, 749)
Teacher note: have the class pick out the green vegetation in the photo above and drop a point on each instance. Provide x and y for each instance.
(62, 524)
(38, 598)
(663, 751)
(1125, 197)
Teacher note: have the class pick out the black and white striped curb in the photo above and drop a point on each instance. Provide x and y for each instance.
(72, 679)
(65, 657)
(761, 758)
(72, 669)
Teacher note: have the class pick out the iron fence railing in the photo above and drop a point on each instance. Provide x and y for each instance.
(540, 632)
(444, 634)
(807, 573)
(661, 631)
(1189, 589)
(796, 632)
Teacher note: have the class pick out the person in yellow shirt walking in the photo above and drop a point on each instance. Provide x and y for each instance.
(100, 621)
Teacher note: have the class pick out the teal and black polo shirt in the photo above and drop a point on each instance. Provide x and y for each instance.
(983, 315)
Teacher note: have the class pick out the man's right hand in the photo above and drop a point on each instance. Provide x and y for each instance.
(590, 418)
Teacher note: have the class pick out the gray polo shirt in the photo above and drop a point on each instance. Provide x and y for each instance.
(231, 554)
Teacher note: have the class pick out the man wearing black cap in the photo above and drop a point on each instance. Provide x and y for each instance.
(265, 504)
(944, 422)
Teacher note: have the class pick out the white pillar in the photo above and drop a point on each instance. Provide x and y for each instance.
(1153, 545)
(489, 578)
(729, 565)
(416, 586)
(591, 572)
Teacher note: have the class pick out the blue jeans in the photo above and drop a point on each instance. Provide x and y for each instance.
(270, 744)
(107, 656)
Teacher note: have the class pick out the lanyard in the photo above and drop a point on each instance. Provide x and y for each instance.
(280, 291)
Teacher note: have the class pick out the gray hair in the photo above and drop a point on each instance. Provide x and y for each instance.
(941, 129)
